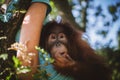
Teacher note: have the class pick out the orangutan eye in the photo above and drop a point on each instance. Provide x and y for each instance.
(53, 36)
(61, 35)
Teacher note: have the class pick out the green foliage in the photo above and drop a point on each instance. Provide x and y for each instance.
(46, 58)
(1, 1)
(19, 69)
(54, 13)
(17, 63)
(6, 72)
(113, 57)
(4, 56)
(116, 75)
(42, 73)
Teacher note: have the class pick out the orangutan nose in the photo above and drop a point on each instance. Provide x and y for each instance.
(58, 44)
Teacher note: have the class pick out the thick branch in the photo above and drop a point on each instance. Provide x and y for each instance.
(65, 11)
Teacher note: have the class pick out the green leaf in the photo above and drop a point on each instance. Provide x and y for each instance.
(51, 60)
(23, 69)
(17, 62)
(8, 77)
(4, 56)
(1, 1)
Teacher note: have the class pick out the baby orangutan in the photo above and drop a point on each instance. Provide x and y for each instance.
(73, 56)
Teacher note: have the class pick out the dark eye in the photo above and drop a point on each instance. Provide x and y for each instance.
(52, 36)
(61, 36)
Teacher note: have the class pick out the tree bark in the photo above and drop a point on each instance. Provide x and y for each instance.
(65, 11)
(84, 15)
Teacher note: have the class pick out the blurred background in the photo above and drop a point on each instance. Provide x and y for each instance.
(98, 19)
